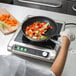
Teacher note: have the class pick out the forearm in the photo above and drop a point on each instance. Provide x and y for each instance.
(58, 64)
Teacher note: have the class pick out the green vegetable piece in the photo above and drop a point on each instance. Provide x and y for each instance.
(45, 37)
(48, 24)
(2, 24)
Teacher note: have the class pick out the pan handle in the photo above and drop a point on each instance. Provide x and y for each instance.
(57, 42)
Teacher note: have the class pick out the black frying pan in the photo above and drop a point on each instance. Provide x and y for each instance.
(50, 33)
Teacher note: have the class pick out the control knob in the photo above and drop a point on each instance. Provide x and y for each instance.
(45, 54)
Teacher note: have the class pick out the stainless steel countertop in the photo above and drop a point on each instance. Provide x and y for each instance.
(20, 13)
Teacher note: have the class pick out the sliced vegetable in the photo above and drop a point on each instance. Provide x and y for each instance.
(6, 19)
(37, 30)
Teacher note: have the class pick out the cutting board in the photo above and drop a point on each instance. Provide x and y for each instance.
(10, 29)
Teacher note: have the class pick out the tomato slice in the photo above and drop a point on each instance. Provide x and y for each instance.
(27, 34)
(50, 27)
(31, 25)
(41, 26)
(43, 23)
(42, 33)
(27, 28)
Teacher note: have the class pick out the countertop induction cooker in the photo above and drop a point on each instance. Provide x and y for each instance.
(46, 51)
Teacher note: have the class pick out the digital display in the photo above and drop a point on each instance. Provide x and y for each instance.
(31, 51)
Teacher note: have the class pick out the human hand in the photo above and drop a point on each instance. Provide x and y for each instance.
(69, 34)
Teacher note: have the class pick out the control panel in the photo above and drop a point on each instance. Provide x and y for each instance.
(31, 51)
